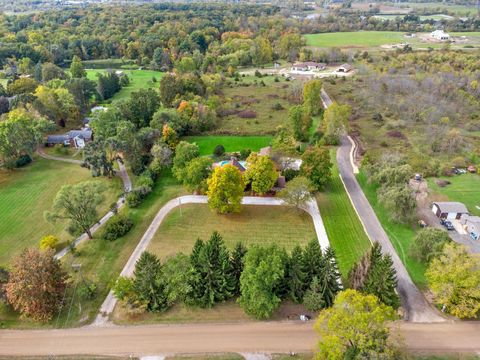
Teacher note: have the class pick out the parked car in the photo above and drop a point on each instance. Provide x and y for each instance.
(448, 225)
(472, 169)
(474, 236)
(305, 317)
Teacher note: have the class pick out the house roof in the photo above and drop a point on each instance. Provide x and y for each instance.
(346, 66)
(265, 151)
(85, 134)
(309, 63)
(473, 219)
(239, 166)
(452, 207)
(57, 139)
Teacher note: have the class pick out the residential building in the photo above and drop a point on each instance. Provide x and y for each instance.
(449, 210)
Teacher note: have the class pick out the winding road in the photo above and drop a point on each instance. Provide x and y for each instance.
(127, 186)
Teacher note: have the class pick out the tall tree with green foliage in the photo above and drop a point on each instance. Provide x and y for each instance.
(335, 122)
(36, 284)
(331, 278)
(225, 189)
(77, 203)
(148, 283)
(237, 262)
(454, 278)
(317, 166)
(301, 122)
(196, 174)
(76, 68)
(312, 99)
(263, 273)
(261, 173)
(297, 192)
(211, 277)
(355, 327)
(312, 262)
(184, 153)
(428, 244)
(295, 276)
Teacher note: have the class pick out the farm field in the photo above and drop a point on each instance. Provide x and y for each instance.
(463, 188)
(262, 225)
(374, 39)
(139, 79)
(207, 143)
(344, 229)
(401, 235)
(253, 108)
(459, 10)
(26, 193)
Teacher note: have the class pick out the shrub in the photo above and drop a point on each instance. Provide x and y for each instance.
(87, 290)
(290, 174)
(247, 114)
(23, 160)
(245, 153)
(219, 150)
(48, 242)
(116, 227)
(145, 180)
(258, 74)
(277, 106)
(135, 197)
(276, 79)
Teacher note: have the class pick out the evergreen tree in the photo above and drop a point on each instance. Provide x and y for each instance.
(76, 68)
(237, 265)
(295, 275)
(148, 285)
(313, 299)
(211, 279)
(382, 281)
(37, 72)
(330, 280)
(312, 262)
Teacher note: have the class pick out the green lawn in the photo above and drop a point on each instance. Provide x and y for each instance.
(26, 193)
(343, 227)
(354, 39)
(261, 225)
(207, 143)
(139, 79)
(463, 188)
(401, 235)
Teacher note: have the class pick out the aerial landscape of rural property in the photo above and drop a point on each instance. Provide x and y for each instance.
(238, 179)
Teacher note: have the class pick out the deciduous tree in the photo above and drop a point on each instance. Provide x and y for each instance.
(225, 189)
(312, 99)
(261, 173)
(428, 244)
(76, 68)
(297, 191)
(317, 166)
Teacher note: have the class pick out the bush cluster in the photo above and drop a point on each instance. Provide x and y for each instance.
(116, 227)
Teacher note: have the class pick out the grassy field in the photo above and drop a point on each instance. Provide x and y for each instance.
(261, 225)
(269, 102)
(101, 262)
(231, 143)
(463, 188)
(139, 79)
(26, 193)
(401, 235)
(344, 229)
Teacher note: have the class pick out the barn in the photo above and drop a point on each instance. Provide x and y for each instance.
(449, 210)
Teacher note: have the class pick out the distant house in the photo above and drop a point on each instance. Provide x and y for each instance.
(449, 210)
(472, 225)
(308, 66)
(74, 138)
(345, 68)
(440, 35)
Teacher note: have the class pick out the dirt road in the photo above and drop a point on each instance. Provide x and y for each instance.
(264, 337)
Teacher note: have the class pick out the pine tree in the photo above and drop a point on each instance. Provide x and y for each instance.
(237, 265)
(313, 299)
(296, 276)
(147, 283)
(312, 262)
(330, 281)
(382, 281)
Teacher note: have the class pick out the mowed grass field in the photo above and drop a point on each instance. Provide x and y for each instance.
(344, 229)
(354, 39)
(26, 193)
(139, 79)
(464, 188)
(261, 225)
(401, 235)
(207, 143)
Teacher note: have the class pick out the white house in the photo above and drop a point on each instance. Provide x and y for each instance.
(471, 225)
(308, 66)
(440, 35)
(449, 210)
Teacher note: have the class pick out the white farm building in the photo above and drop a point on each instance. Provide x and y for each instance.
(440, 35)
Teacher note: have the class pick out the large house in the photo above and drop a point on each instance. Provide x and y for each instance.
(471, 225)
(449, 210)
(440, 35)
(308, 66)
(74, 138)
(345, 68)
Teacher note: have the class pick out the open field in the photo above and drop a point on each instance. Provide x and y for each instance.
(463, 188)
(459, 10)
(422, 17)
(101, 262)
(231, 143)
(262, 225)
(26, 193)
(268, 103)
(344, 229)
(374, 39)
(401, 235)
(139, 79)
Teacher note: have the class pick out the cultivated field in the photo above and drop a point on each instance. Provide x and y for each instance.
(139, 79)
(262, 225)
(231, 143)
(26, 193)
(463, 188)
